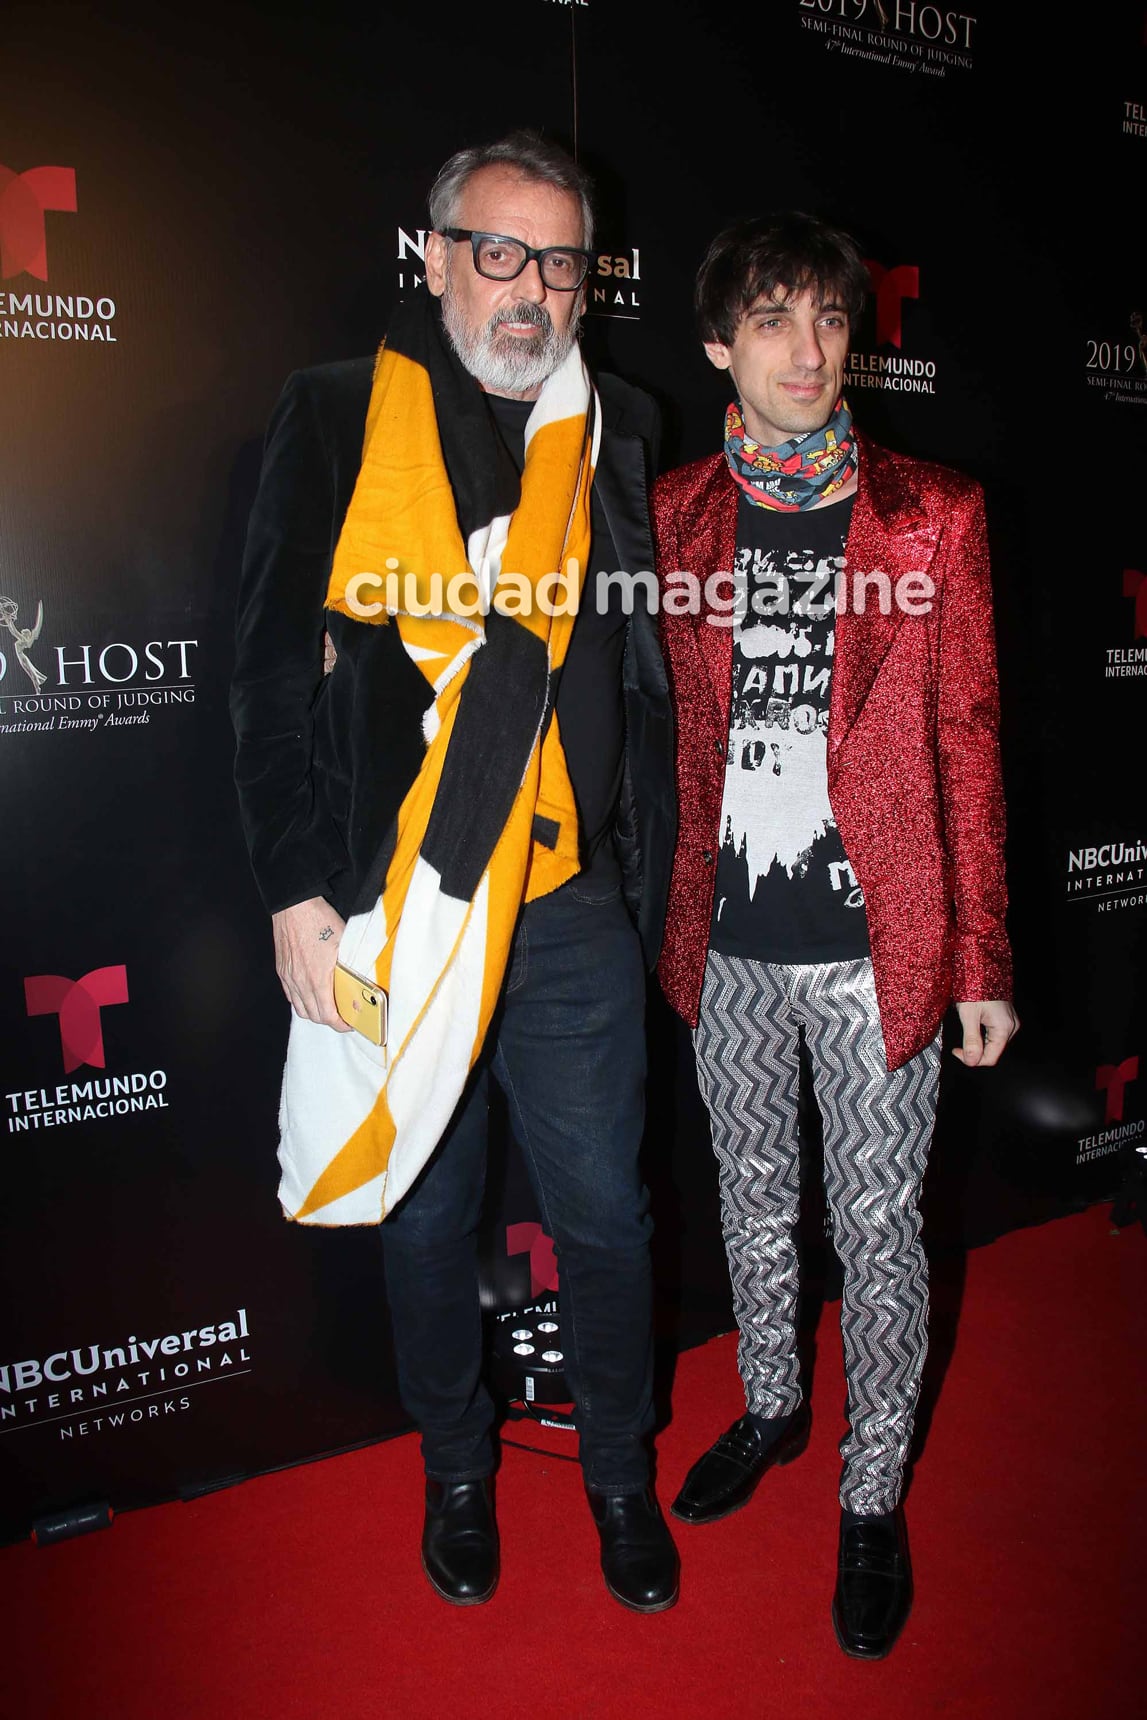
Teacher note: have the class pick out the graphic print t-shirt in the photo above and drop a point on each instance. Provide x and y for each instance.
(785, 891)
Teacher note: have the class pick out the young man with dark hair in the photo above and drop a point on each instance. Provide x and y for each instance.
(838, 878)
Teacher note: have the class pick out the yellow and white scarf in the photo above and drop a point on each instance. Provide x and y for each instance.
(490, 821)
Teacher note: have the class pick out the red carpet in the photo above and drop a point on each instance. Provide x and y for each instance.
(299, 1595)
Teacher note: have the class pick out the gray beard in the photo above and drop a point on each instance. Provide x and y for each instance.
(507, 364)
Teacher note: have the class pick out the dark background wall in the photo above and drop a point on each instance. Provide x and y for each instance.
(249, 191)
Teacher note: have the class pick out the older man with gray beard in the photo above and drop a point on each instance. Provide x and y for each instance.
(325, 763)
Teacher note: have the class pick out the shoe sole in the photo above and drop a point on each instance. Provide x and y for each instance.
(635, 1606)
(458, 1600)
(797, 1449)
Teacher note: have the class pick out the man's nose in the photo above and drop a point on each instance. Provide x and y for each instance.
(808, 353)
(529, 283)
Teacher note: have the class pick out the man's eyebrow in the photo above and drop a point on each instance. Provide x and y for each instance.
(782, 307)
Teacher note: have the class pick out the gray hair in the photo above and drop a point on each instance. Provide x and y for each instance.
(531, 155)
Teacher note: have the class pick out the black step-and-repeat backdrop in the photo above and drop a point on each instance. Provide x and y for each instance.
(195, 201)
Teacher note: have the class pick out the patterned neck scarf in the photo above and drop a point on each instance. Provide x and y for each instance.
(798, 474)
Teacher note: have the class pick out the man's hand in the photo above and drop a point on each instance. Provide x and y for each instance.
(306, 949)
(987, 1029)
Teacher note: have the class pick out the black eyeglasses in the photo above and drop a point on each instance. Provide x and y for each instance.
(563, 268)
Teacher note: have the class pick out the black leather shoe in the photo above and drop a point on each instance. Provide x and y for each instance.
(723, 1480)
(873, 1584)
(638, 1559)
(460, 1541)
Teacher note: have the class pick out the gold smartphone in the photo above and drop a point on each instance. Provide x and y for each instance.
(362, 1004)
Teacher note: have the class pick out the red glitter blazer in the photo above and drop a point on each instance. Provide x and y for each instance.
(913, 759)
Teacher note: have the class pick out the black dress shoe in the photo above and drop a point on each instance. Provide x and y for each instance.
(873, 1584)
(723, 1480)
(460, 1541)
(638, 1559)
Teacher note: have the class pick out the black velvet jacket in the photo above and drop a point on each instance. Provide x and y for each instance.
(323, 762)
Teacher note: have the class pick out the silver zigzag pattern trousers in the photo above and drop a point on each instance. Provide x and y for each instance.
(877, 1130)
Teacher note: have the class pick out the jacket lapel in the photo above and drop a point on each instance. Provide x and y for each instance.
(621, 492)
(890, 533)
(712, 547)
(619, 484)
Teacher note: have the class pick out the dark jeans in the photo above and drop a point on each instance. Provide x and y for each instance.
(567, 1047)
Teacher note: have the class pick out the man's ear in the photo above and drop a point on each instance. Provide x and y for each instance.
(718, 353)
(434, 259)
